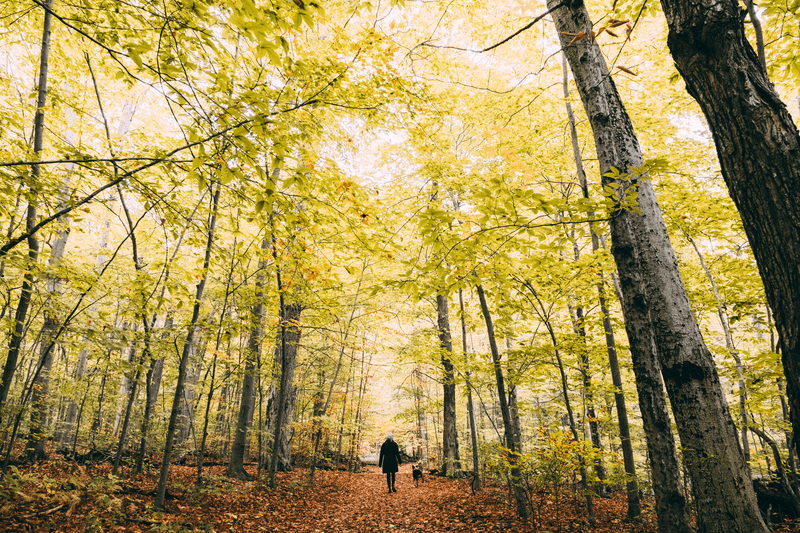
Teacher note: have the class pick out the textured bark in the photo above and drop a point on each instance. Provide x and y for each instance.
(289, 337)
(632, 484)
(288, 366)
(451, 464)
(759, 151)
(720, 480)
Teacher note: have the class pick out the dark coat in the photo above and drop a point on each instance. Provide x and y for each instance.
(390, 457)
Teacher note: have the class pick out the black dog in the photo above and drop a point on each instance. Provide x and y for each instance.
(416, 471)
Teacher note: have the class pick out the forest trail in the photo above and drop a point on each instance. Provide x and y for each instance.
(64, 497)
(59, 496)
(361, 502)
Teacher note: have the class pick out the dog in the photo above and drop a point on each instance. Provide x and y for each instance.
(416, 471)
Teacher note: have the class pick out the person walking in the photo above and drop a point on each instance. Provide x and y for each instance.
(389, 460)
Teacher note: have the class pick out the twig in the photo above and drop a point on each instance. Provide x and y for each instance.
(504, 41)
(42, 513)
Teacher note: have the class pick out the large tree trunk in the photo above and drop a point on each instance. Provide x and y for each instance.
(720, 479)
(726, 330)
(759, 151)
(290, 342)
(288, 338)
(632, 484)
(451, 464)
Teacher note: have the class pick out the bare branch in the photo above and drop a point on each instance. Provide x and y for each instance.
(504, 41)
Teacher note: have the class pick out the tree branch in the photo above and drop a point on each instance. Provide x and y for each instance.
(504, 41)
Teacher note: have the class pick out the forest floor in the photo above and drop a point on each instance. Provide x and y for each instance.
(60, 496)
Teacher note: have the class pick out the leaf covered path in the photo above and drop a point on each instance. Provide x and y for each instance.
(63, 497)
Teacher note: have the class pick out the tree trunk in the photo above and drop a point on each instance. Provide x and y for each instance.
(152, 384)
(720, 478)
(68, 426)
(513, 453)
(289, 337)
(470, 408)
(258, 312)
(632, 484)
(726, 329)
(451, 464)
(759, 152)
(15, 340)
(186, 418)
(290, 342)
(161, 490)
(37, 440)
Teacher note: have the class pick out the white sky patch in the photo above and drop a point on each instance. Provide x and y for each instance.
(692, 126)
